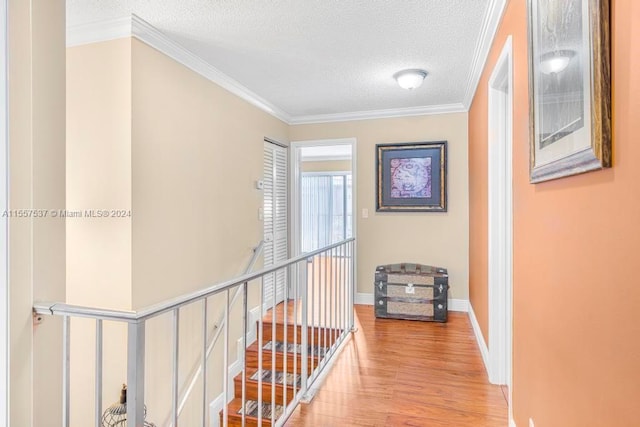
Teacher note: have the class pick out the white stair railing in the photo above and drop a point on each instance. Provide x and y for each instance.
(317, 312)
(218, 328)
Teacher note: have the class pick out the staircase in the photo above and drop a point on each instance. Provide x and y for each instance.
(287, 370)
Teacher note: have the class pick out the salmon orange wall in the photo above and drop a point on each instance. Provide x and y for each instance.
(576, 252)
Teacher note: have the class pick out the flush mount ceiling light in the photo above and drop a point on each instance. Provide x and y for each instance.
(410, 79)
(556, 61)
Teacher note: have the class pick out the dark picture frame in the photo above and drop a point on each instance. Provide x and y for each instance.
(569, 87)
(411, 177)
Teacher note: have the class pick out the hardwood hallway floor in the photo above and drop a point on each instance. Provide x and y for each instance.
(406, 373)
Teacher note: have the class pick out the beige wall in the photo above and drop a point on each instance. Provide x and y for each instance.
(196, 153)
(37, 181)
(98, 178)
(431, 238)
(326, 166)
(148, 135)
(99, 173)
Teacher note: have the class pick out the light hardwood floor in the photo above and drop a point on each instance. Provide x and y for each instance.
(405, 373)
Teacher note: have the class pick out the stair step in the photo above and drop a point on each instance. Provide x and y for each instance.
(251, 419)
(252, 386)
(252, 358)
(316, 350)
(318, 335)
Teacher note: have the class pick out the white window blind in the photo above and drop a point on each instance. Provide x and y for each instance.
(326, 209)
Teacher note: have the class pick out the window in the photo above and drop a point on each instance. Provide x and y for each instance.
(326, 209)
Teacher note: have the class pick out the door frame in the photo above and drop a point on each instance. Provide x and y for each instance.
(500, 219)
(295, 179)
(4, 223)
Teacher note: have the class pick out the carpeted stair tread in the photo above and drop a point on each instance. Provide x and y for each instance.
(317, 350)
(280, 377)
(294, 333)
(253, 408)
(252, 386)
(235, 415)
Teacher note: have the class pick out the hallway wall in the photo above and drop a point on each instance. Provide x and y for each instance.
(576, 240)
(36, 181)
(436, 238)
(182, 154)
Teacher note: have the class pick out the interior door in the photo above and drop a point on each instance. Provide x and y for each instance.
(275, 208)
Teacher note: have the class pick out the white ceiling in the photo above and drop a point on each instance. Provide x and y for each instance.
(325, 58)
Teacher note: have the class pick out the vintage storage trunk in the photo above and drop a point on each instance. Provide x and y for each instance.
(411, 291)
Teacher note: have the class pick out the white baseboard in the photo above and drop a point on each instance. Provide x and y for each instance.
(482, 344)
(364, 299)
(254, 316)
(454, 304)
(461, 305)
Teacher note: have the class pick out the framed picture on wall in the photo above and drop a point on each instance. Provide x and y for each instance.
(569, 87)
(411, 177)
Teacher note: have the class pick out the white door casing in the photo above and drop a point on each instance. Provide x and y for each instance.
(296, 178)
(500, 214)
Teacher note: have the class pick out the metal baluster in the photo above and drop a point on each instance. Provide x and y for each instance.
(329, 297)
(295, 327)
(305, 338)
(225, 365)
(343, 263)
(176, 356)
(66, 378)
(260, 345)
(334, 295)
(135, 373)
(284, 330)
(203, 366)
(98, 392)
(325, 306)
(245, 322)
(313, 306)
(273, 348)
(340, 293)
(351, 285)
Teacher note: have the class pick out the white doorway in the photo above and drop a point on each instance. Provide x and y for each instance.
(329, 165)
(501, 219)
(4, 224)
(275, 219)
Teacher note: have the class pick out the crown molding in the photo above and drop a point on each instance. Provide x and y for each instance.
(134, 26)
(100, 31)
(150, 35)
(490, 25)
(378, 114)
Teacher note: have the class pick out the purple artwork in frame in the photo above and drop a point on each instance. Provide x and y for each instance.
(411, 177)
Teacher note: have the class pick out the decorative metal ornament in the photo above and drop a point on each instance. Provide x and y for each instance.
(116, 414)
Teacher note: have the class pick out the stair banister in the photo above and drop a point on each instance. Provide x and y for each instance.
(136, 321)
(257, 250)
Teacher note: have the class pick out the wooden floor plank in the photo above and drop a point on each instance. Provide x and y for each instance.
(406, 373)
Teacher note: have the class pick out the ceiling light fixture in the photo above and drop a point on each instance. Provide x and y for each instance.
(410, 79)
(556, 61)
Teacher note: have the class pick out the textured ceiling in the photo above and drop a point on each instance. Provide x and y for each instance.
(315, 57)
